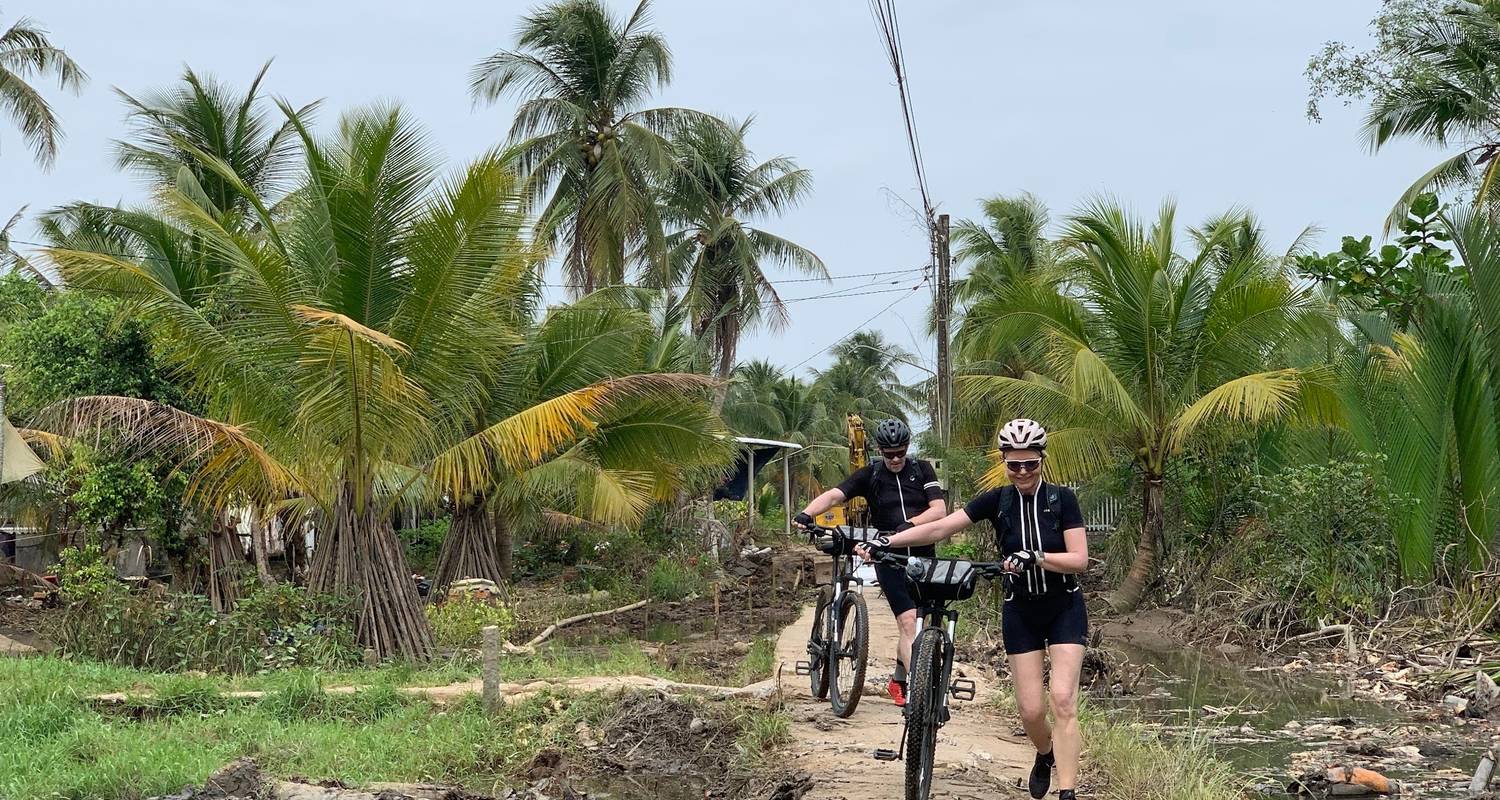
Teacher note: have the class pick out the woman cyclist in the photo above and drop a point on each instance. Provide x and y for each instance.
(1041, 537)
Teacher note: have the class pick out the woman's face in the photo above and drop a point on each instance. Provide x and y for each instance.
(1024, 467)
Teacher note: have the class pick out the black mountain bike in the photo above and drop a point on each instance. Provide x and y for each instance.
(935, 582)
(839, 645)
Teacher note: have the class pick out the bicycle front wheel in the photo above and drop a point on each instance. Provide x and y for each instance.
(850, 654)
(818, 645)
(924, 704)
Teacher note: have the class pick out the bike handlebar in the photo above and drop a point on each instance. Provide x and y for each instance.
(990, 570)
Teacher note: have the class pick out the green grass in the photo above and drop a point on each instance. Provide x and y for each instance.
(1130, 762)
(759, 662)
(762, 733)
(186, 730)
(1125, 761)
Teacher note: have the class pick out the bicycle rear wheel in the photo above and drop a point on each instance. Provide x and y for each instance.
(818, 645)
(850, 654)
(924, 702)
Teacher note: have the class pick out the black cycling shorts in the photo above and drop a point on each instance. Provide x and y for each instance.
(893, 585)
(1033, 622)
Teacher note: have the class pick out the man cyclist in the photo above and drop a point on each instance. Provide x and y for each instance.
(901, 492)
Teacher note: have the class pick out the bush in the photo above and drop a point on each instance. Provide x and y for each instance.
(966, 549)
(424, 542)
(458, 622)
(273, 627)
(84, 577)
(1326, 548)
(673, 579)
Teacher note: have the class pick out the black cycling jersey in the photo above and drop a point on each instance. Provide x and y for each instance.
(1023, 524)
(895, 497)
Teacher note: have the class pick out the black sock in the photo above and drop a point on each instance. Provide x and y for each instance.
(1066, 794)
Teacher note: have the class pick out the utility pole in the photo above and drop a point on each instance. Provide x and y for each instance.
(943, 418)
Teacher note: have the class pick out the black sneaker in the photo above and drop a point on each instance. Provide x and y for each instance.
(1041, 775)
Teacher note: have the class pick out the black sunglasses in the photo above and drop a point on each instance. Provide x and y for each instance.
(892, 455)
(1025, 465)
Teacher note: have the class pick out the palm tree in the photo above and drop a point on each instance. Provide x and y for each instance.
(1447, 96)
(864, 379)
(1006, 245)
(644, 449)
(1140, 350)
(349, 350)
(717, 189)
(763, 401)
(26, 53)
(582, 138)
(201, 119)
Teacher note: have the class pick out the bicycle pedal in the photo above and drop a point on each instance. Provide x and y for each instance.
(885, 754)
(804, 668)
(962, 689)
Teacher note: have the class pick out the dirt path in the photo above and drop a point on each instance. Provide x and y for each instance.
(979, 755)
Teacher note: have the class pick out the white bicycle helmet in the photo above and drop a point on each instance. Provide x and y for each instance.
(1022, 434)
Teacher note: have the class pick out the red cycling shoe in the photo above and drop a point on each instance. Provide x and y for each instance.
(897, 691)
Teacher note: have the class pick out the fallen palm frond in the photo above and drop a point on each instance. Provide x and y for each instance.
(225, 462)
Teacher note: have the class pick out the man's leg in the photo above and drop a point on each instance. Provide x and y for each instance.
(907, 622)
(904, 609)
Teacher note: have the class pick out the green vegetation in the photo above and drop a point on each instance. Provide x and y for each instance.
(760, 662)
(673, 579)
(458, 621)
(1131, 762)
(186, 731)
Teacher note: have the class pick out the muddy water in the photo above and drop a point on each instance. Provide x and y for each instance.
(1272, 724)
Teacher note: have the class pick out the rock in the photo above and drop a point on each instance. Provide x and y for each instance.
(1436, 750)
(1486, 693)
(696, 726)
(1294, 725)
(1454, 704)
(740, 648)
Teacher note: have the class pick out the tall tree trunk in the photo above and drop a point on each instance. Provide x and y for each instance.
(470, 549)
(260, 543)
(1143, 568)
(360, 557)
(226, 565)
(505, 543)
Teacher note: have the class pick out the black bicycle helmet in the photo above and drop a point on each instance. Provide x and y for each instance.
(892, 433)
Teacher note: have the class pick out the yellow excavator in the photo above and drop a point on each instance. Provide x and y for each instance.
(854, 512)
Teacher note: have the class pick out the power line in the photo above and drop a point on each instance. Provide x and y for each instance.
(890, 31)
(828, 278)
(858, 327)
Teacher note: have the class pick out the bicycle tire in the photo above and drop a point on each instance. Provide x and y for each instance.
(851, 655)
(924, 701)
(817, 641)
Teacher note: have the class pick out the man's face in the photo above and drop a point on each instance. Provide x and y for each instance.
(893, 458)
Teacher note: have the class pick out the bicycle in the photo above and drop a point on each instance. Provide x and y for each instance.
(839, 645)
(935, 582)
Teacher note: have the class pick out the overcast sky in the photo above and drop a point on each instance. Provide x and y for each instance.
(1201, 102)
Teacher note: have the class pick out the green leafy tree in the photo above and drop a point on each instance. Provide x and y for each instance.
(350, 350)
(26, 54)
(1395, 278)
(582, 137)
(1139, 349)
(865, 379)
(1430, 77)
(717, 192)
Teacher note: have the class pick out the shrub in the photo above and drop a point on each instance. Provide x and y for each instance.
(84, 577)
(1327, 547)
(424, 542)
(458, 622)
(273, 627)
(673, 579)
